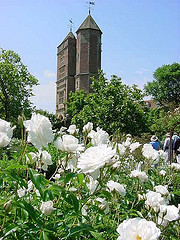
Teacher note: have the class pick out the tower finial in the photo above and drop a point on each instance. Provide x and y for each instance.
(71, 24)
(90, 4)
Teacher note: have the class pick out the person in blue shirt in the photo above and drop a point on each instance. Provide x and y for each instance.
(154, 142)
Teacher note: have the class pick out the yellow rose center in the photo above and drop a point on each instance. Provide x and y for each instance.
(138, 237)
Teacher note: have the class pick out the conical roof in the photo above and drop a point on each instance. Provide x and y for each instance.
(70, 35)
(89, 23)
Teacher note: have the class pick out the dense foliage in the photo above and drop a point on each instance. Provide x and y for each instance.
(15, 86)
(162, 121)
(82, 186)
(112, 105)
(165, 88)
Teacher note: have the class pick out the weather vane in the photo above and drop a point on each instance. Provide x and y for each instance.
(90, 6)
(71, 24)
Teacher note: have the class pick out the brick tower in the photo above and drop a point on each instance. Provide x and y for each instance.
(77, 61)
(88, 53)
(66, 70)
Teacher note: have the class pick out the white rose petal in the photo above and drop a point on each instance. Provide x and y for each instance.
(162, 173)
(6, 133)
(140, 175)
(127, 143)
(72, 129)
(116, 186)
(21, 192)
(92, 185)
(134, 146)
(154, 200)
(47, 208)
(121, 149)
(33, 157)
(68, 143)
(98, 137)
(88, 127)
(138, 229)
(175, 166)
(161, 189)
(94, 158)
(39, 130)
(149, 152)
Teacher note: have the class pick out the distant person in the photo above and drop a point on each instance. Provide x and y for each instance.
(175, 137)
(166, 146)
(177, 150)
(155, 143)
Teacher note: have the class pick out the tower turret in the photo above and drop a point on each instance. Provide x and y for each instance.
(88, 53)
(66, 70)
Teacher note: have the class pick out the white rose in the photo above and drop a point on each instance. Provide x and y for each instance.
(162, 173)
(137, 229)
(92, 185)
(149, 152)
(162, 154)
(121, 149)
(94, 158)
(172, 212)
(6, 133)
(72, 129)
(21, 192)
(59, 144)
(134, 146)
(39, 130)
(88, 127)
(175, 166)
(47, 208)
(116, 186)
(140, 175)
(154, 200)
(161, 189)
(98, 137)
(127, 143)
(32, 159)
(168, 214)
(46, 159)
(62, 130)
(57, 176)
(68, 143)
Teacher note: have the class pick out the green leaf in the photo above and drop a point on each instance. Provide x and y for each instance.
(44, 236)
(12, 228)
(15, 166)
(80, 178)
(97, 235)
(105, 194)
(55, 189)
(75, 230)
(47, 195)
(139, 214)
(71, 199)
(18, 179)
(32, 213)
(39, 181)
(69, 176)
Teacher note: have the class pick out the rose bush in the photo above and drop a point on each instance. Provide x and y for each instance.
(85, 187)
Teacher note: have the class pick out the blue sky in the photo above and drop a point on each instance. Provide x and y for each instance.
(138, 37)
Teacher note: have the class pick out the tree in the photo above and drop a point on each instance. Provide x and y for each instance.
(165, 88)
(112, 106)
(15, 86)
(163, 121)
